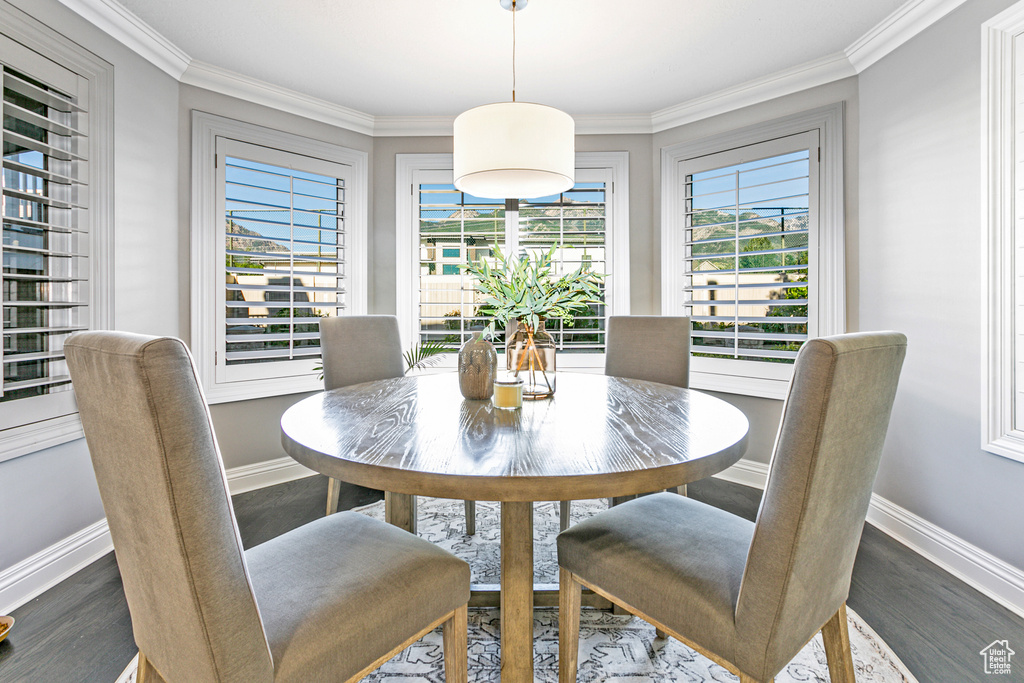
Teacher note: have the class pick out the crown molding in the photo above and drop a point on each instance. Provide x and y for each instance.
(899, 27)
(402, 126)
(907, 21)
(123, 26)
(234, 84)
(613, 124)
(825, 70)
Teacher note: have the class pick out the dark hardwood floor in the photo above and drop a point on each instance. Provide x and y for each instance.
(80, 629)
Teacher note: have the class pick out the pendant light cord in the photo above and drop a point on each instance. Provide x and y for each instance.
(513, 50)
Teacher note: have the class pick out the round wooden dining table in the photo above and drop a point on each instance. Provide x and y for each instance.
(597, 437)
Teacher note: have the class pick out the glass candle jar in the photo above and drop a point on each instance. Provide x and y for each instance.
(508, 393)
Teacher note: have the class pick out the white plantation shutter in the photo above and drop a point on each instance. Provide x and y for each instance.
(278, 242)
(284, 239)
(577, 220)
(749, 255)
(45, 246)
(455, 228)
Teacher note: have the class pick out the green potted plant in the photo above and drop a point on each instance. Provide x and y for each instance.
(528, 291)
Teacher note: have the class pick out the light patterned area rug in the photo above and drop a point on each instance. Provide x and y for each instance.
(612, 648)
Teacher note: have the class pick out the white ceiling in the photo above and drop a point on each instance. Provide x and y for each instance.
(439, 57)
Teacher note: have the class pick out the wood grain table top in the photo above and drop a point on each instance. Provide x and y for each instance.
(598, 436)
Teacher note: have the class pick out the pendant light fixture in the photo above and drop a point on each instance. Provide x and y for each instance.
(514, 150)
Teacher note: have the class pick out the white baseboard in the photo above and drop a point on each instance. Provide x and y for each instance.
(44, 570)
(269, 473)
(746, 472)
(995, 578)
(47, 568)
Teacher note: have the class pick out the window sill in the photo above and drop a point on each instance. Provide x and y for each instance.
(759, 387)
(37, 436)
(1008, 446)
(572, 362)
(227, 392)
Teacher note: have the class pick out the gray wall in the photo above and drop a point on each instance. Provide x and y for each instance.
(764, 414)
(51, 494)
(248, 431)
(382, 221)
(920, 259)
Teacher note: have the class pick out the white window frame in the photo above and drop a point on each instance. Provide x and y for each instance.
(47, 421)
(1002, 274)
(752, 378)
(207, 232)
(616, 164)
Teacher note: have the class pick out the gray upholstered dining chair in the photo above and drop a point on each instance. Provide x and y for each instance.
(203, 610)
(364, 348)
(749, 595)
(654, 348)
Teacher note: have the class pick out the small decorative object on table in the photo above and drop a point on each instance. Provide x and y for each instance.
(478, 366)
(508, 393)
(525, 290)
(6, 624)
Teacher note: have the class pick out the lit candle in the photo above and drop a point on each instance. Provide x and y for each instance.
(508, 393)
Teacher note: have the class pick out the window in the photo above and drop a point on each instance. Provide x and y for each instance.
(282, 234)
(1002, 410)
(588, 222)
(746, 251)
(746, 238)
(55, 249)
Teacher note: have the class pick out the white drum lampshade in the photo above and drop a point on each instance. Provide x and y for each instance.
(514, 150)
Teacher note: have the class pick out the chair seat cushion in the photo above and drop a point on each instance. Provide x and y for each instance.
(336, 594)
(675, 559)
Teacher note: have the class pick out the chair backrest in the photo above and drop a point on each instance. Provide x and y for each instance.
(360, 348)
(165, 494)
(819, 485)
(655, 348)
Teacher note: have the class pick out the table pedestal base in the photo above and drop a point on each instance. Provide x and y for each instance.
(544, 595)
(517, 595)
(517, 592)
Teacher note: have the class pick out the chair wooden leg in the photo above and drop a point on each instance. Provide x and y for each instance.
(569, 595)
(564, 507)
(455, 647)
(836, 636)
(333, 494)
(681, 489)
(146, 672)
(470, 517)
